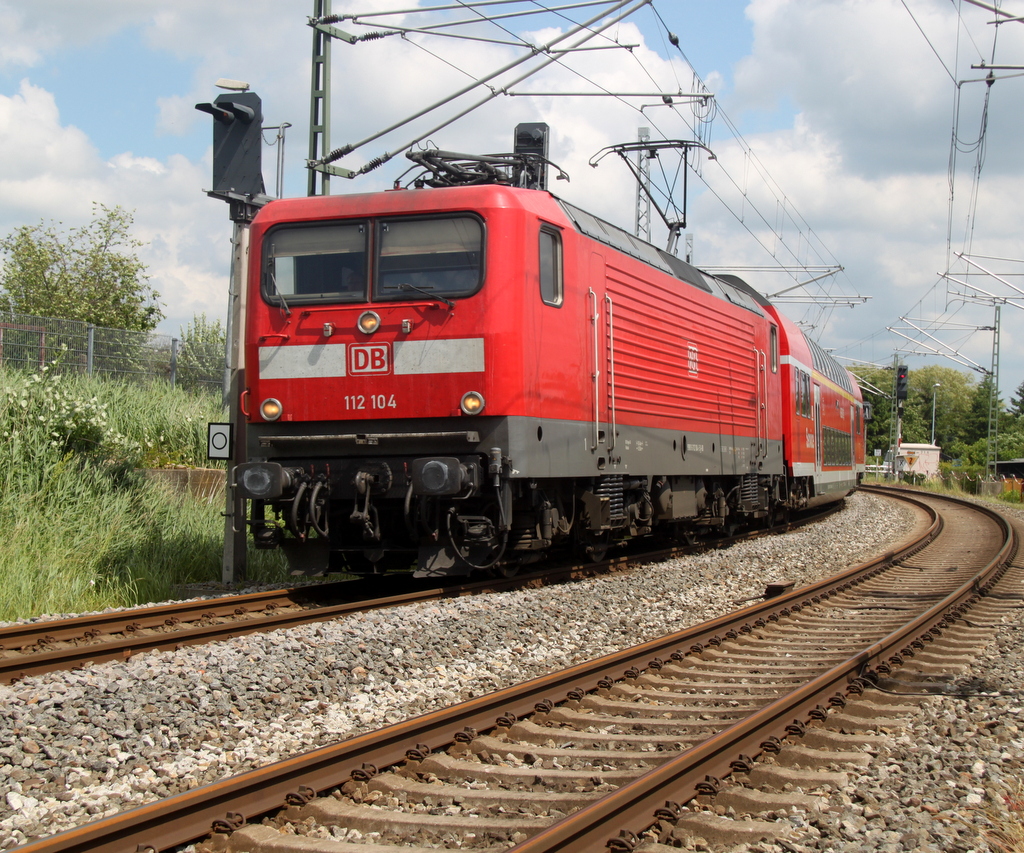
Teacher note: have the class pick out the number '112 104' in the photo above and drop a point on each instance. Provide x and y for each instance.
(373, 401)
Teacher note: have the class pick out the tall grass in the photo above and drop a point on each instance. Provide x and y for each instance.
(948, 485)
(84, 529)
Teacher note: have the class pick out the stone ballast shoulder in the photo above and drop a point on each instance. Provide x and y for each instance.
(84, 744)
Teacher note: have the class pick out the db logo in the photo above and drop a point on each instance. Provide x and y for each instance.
(368, 358)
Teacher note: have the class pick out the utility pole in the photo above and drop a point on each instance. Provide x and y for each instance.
(320, 99)
(279, 145)
(643, 186)
(992, 450)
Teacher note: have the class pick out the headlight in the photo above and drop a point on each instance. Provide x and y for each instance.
(369, 322)
(271, 409)
(472, 403)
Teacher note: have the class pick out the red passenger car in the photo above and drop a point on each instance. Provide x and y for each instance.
(464, 378)
(824, 420)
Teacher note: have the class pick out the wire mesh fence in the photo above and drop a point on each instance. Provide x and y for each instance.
(72, 346)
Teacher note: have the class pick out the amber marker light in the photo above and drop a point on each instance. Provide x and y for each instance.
(472, 403)
(271, 409)
(369, 322)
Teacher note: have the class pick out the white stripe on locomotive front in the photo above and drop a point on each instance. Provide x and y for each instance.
(441, 356)
(411, 358)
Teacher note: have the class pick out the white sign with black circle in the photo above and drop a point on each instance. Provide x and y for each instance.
(218, 441)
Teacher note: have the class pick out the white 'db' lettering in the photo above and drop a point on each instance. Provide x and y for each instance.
(692, 358)
(369, 358)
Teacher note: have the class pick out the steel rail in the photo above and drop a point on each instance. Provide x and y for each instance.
(632, 807)
(187, 816)
(132, 624)
(140, 618)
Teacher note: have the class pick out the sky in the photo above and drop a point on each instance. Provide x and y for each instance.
(850, 133)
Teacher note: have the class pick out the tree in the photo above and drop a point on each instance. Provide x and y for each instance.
(90, 273)
(1017, 402)
(952, 400)
(201, 357)
(976, 424)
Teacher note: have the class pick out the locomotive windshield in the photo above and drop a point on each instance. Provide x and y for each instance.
(409, 259)
(323, 262)
(437, 256)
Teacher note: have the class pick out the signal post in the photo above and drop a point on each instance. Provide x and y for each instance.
(238, 180)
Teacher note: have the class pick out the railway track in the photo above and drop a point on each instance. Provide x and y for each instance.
(39, 647)
(635, 729)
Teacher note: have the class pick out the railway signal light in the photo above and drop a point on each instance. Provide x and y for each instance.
(901, 382)
(237, 143)
(531, 137)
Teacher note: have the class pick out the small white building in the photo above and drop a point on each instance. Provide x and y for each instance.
(919, 459)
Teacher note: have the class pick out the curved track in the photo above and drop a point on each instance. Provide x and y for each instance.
(35, 648)
(636, 728)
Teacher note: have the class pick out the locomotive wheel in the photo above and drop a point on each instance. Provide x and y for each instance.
(688, 537)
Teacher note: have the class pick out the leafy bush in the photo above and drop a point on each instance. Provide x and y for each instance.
(88, 273)
(85, 529)
(201, 358)
(49, 407)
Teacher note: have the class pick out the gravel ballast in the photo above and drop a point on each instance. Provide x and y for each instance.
(80, 745)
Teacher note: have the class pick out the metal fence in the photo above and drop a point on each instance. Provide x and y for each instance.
(71, 346)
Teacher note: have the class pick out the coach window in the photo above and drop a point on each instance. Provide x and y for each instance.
(550, 266)
(419, 258)
(774, 344)
(315, 263)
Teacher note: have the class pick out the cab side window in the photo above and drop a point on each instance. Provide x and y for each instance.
(550, 266)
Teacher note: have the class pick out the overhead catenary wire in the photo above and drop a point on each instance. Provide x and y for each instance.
(545, 49)
(955, 292)
(783, 234)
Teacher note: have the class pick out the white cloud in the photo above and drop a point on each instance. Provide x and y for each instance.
(143, 164)
(52, 172)
(32, 140)
(15, 50)
(864, 159)
(32, 30)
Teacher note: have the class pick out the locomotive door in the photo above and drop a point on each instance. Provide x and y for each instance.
(600, 309)
(817, 429)
(854, 429)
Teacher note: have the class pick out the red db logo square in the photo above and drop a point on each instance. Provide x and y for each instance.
(369, 358)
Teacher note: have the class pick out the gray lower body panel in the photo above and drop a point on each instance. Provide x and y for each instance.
(536, 448)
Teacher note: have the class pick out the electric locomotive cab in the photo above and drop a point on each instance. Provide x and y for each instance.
(370, 363)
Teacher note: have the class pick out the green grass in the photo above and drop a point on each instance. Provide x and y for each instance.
(947, 485)
(84, 528)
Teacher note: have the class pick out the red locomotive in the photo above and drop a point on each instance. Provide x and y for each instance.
(466, 377)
